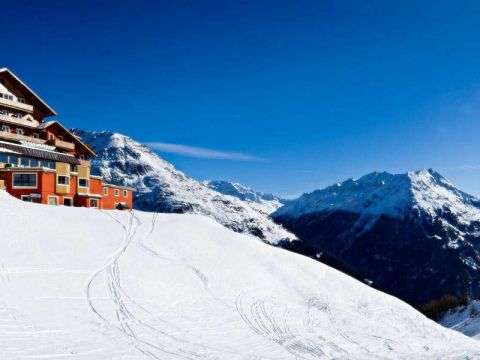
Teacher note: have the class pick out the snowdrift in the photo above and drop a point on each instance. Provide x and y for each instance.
(80, 283)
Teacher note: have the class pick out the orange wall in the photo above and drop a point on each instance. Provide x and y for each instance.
(46, 186)
(110, 200)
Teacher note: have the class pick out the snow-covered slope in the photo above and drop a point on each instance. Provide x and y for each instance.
(265, 202)
(415, 235)
(79, 283)
(161, 187)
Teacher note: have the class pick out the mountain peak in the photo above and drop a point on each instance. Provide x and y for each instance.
(383, 193)
(160, 187)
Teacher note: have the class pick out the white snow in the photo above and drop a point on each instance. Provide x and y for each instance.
(79, 283)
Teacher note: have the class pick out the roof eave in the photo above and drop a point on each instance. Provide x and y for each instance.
(46, 125)
(52, 111)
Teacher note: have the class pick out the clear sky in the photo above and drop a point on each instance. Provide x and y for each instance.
(282, 96)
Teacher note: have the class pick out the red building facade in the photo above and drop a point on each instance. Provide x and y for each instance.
(41, 161)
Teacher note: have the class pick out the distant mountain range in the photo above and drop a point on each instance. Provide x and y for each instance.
(160, 187)
(415, 235)
(263, 201)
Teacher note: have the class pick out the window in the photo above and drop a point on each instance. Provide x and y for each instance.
(6, 128)
(73, 168)
(125, 193)
(83, 183)
(26, 198)
(94, 203)
(63, 180)
(13, 160)
(24, 162)
(105, 189)
(68, 201)
(48, 164)
(20, 131)
(21, 100)
(52, 200)
(22, 180)
(60, 137)
(81, 157)
(36, 136)
(116, 192)
(4, 158)
(34, 163)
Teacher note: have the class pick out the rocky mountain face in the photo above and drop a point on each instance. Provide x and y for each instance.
(415, 235)
(162, 188)
(265, 202)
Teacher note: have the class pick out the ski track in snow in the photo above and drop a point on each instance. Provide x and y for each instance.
(273, 320)
(163, 343)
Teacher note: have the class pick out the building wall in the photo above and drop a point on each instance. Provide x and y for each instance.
(41, 180)
(110, 200)
(47, 187)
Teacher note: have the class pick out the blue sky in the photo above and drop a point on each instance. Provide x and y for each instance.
(282, 96)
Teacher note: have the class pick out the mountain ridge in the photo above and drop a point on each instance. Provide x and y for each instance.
(380, 193)
(267, 202)
(160, 187)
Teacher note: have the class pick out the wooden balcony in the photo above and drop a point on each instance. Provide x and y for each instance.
(5, 135)
(19, 121)
(65, 145)
(16, 105)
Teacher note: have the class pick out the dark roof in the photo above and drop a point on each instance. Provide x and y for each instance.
(39, 153)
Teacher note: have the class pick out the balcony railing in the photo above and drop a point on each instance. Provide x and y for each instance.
(5, 135)
(19, 121)
(64, 145)
(16, 105)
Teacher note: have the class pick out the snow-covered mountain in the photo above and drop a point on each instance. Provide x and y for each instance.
(160, 187)
(265, 202)
(414, 235)
(78, 283)
(465, 319)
